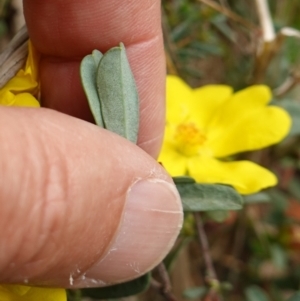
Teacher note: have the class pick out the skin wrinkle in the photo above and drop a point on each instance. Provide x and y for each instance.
(67, 185)
(22, 185)
(149, 110)
(108, 12)
(88, 140)
(55, 210)
(149, 40)
(46, 226)
(67, 72)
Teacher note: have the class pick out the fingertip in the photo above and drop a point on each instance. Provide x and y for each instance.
(150, 224)
(71, 182)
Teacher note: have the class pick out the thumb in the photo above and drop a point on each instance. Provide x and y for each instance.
(79, 206)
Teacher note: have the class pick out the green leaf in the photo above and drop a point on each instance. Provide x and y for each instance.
(183, 180)
(206, 197)
(218, 216)
(257, 198)
(279, 256)
(255, 293)
(97, 56)
(126, 289)
(293, 108)
(295, 297)
(194, 292)
(220, 21)
(88, 71)
(118, 94)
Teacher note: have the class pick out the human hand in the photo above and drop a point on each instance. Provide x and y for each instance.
(80, 206)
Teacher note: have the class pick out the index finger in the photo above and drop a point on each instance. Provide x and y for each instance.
(65, 31)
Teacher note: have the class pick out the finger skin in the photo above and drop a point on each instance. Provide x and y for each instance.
(66, 180)
(65, 31)
(64, 192)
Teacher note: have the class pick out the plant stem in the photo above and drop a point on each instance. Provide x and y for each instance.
(288, 84)
(205, 247)
(164, 287)
(229, 13)
(212, 278)
(265, 20)
(269, 45)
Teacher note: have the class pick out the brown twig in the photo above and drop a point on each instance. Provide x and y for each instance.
(238, 244)
(164, 287)
(230, 14)
(205, 247)
(212, 278)
(288, 84)
(269, 45)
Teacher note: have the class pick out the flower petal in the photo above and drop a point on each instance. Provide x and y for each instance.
(27, 293)
(241, 104)
(32, 62)
(22, 100)
(251, 98)
(256, 130)
(6, 98)
(21, 83)
(245, 176)
(179, 94)
(172, 161)
(207, 101)
(25, 100)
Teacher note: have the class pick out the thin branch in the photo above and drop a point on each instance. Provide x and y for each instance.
(164, 287)
(230, 14)
(238, 244)
(265, 21)
(158, 287)
(288, 84)
(212, 275)
(164, 277)
(224, 3)
(269, 45)
(294, 77)
(205, 247)
(290, 32)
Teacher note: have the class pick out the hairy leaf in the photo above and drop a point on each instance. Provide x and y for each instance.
(88, 71)
(118, 94)
(205, 197)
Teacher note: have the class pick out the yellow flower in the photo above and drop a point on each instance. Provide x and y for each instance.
(20, 91)
(27, 293)
(207, 125)
(22, 88)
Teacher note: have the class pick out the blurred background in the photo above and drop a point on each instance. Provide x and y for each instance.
(255, 251)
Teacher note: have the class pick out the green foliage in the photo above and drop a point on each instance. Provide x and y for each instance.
(195, 292)
(111, 91)
(293, 108)
(257, 198)
(88, 72)
(256, 249)
(295, 297)
(126, 289)
(206, 197)
(255, 293)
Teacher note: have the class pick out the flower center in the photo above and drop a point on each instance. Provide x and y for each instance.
(189, 139)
